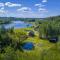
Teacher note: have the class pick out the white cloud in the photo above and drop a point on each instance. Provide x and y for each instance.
(2, 11)
(42, 10)
(2, 8)
(24, 9)
(39, 5)
(30, 15)
(9, 4)
(44, 1)
(1, 4)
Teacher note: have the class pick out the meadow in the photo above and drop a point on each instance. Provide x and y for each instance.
(44, 50)
(41, 34)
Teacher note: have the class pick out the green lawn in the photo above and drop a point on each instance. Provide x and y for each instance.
(43, 49)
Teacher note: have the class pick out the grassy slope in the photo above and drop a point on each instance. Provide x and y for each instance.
(42, 51)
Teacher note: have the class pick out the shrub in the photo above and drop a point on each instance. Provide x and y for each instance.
(31, 33)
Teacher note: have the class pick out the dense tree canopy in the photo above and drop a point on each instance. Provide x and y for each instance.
(49, 27)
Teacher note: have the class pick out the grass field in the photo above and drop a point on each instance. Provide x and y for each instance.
(44, 50)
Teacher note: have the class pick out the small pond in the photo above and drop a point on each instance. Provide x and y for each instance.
(28, 46)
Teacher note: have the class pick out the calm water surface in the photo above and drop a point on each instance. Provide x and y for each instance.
(18, 24)
(28, 46)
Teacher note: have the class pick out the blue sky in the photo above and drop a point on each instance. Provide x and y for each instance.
(29, 8)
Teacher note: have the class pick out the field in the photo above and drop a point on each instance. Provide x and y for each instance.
(44, 50)
(44, 35)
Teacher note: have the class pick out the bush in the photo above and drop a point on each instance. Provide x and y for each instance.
(31, 33)
(49, 29)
